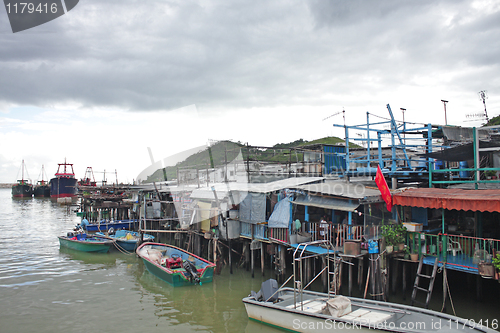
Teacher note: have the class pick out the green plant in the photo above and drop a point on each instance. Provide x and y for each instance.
(496, 262)
(394, 234)
(491, 173)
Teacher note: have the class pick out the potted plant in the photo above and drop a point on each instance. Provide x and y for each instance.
(406, 252)
(496, 264)
(490, 174)
(388, 234)
(394, 234)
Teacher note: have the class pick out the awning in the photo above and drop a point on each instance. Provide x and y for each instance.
(328, 203)
(459, 199)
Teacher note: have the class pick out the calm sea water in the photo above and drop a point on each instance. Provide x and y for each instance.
(47, 289)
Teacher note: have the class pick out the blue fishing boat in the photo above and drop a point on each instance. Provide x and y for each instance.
(85, 243)
(126, 239)
(105, 225)
(174, 265)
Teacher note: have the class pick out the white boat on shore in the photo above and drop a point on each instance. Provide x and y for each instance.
(299, 310)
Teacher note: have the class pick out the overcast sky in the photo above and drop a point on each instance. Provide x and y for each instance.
(109, 79)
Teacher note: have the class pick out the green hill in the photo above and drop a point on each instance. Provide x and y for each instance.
(226, 151)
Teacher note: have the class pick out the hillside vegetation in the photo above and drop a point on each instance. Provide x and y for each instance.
(226, 151)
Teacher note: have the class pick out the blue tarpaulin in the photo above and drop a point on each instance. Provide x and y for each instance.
(280, 218)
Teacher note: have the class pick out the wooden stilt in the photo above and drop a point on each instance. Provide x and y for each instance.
(367, 280)
(479, 289)
(349, 262)
(360, 273)
(445, 289)
(262, 258)
(252, 261)
(405, 264)
(230, 258)
(324, 275)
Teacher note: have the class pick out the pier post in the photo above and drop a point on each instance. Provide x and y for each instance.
(360, 273)
(247, 255)
(230, 256)
(262, 258)
(445, 288)
(324, 275)
(479, 287)
(252, 260)
(282, 263)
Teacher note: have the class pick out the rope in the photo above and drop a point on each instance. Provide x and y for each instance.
(121, 249)
(449, 295)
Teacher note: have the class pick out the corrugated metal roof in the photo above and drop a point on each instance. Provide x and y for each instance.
(459, 199)
(328, 203)
(341, 189)
(222, 189)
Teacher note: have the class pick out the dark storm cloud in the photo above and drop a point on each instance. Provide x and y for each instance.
(160, 55)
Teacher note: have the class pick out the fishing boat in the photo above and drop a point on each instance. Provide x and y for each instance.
(42, 187)
(85, 243)
(107, 225)
(175, 265)
(88, 179)
(127, 240)
(299, 310)
(23, 188)
(63, 185)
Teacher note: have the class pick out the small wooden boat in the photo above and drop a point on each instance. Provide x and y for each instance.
(175, 265)
(85, 243)
(127, 240)
(299, 310)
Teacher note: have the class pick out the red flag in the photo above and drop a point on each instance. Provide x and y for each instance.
(383, 188)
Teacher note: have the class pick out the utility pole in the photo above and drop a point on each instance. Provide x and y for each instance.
(444, 103)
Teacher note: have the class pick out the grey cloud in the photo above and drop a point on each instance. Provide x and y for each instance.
(161, 55)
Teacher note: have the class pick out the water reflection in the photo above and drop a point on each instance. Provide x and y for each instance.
(214, 306)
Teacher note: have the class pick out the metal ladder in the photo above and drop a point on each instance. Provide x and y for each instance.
(431, 279)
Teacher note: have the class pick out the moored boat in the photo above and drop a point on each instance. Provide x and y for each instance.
(126, 239)
(42, 187)
(105, 225)
(85, 243)
(299, 310)
(64, 183)
(23, 188)
(174, 265)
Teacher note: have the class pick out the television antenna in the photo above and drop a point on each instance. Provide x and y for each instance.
(483, 96)
(336, 113)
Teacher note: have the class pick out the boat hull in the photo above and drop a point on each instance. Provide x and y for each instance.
(130, 245)
(366, 315)
(116, 225)
(175, 277)
(42, 191)
(63, 187)
(87, 245)
(22, 191)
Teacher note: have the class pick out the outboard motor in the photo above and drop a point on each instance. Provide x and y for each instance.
(191, 269)
(267, 291)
